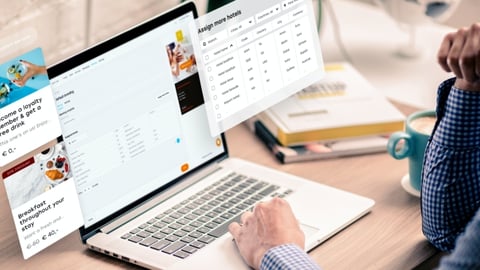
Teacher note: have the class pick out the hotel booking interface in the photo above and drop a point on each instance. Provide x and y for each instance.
(253, 56)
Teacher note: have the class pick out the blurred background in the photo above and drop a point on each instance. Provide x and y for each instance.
(64, 27)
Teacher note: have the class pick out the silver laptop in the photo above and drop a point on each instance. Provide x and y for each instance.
(156, 189)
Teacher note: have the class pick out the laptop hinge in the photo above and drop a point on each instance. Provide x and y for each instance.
(157, 199)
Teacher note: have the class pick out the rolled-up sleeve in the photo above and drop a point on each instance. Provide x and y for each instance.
(451, 180)
(287, 257)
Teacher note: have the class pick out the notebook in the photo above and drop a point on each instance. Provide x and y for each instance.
(155, 188)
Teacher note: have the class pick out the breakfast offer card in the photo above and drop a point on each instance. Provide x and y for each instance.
(34, 165)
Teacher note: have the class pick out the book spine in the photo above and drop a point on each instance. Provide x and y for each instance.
(268, 140)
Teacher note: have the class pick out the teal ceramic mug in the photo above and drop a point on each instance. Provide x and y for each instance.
(411, 143)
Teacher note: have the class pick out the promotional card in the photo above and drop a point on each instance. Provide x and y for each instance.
(34, 165)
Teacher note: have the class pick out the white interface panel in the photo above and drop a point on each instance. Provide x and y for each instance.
(253, 55)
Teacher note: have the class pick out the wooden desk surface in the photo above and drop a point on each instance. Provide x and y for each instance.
(387, 238)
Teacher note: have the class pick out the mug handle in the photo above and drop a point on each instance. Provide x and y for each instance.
(394, 139)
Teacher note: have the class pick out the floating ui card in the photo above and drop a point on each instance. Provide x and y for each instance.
(33, 163)
(251, 56)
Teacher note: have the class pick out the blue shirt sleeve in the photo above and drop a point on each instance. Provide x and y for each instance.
(451, 170)
(287, 257)
(467, 249)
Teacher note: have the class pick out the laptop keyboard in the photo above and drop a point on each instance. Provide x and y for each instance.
(205, 216)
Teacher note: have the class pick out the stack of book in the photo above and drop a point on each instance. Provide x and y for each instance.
(341, 115)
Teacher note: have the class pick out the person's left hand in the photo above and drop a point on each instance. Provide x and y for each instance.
(459, 53)
(271, 224)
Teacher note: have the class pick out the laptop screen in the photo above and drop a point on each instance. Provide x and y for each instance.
(133, 115)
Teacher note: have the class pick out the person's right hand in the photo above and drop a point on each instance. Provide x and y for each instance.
(271, 224)
(460, 53)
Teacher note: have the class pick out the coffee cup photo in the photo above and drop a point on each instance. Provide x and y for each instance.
(411, 144)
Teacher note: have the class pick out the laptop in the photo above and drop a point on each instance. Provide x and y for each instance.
(155, 188)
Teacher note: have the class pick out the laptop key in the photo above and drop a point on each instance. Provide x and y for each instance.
(135, 231)
(126, 236)
(160, 244)
(269, 190)
(251, 180)
(190, 249)
(236, 200)
(257, 197)
(237, 189)
(219, 220)
(195, 234)
(221, 198)
(211, 225)
(160, 216)
(180, 233)
(168, 211)
(148, 241)
(135, 239)
(234, 211)
(242, 206)
(197, 244)
(183, 221)
(168, 220)
(222, 229)
(212, 214)
(219, 210)
(250, 201)
(188, 228)
(151, 229)
(207, 197)
(143, 234)
(174, 226)
(203, 230)
(226, 216)
(191, 216)
(173, 247)
(206, 239)
(176, 215)
(181, 254)
(172, 238)
(187, 239)
(206, 207)
(196, 224)
(167, 230)
(159, 235)
(178, 206)
(184, 210)
(160, 224)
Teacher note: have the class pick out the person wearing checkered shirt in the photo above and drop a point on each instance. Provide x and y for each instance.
(450, 193)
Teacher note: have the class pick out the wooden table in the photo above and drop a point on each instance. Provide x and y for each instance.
(387, 238)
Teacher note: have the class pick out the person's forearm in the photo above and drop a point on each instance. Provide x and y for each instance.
(451, 185)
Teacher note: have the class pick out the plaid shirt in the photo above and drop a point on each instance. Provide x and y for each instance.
(287, 257)
(451, 170)
(467, 250)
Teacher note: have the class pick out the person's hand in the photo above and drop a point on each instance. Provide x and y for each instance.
(460, 53)
(271, 224)
(32, 70)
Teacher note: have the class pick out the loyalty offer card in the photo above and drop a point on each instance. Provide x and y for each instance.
(34, 165)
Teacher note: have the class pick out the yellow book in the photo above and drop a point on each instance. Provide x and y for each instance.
(342, 105)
